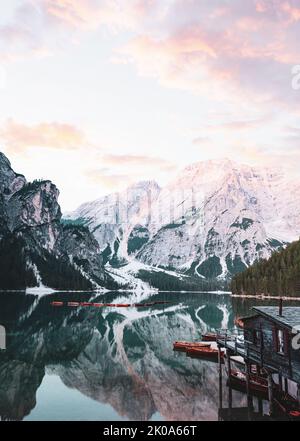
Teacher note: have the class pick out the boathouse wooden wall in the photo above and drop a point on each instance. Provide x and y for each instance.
(261, 347)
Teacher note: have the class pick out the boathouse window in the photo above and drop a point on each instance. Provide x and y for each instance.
(280, 341)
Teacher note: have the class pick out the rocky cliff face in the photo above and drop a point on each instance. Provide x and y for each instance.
(112, 217)
(10, 182)
(214, 220)
(34, 204)
(77, 244)
(35, 247)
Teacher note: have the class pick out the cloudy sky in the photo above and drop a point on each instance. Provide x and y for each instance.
(97, 94)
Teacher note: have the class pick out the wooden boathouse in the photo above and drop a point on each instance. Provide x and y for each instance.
(268, 346)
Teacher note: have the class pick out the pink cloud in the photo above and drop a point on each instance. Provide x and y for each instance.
(109, 180)
(73, 13)
(245, 52)
(120, 171)
(89, 14)
(138, 161)
(42, 27)
(261, 6)
(239, 50)
(240, 125)
(292, 11)
(20, 137)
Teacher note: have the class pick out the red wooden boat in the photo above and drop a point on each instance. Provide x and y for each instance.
(209, 336)
(258, 385)
(183, 346)
(57, 303)
(294, 414)
(205, 352)
(287, 405)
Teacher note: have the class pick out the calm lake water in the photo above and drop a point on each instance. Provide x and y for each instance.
(87, 363)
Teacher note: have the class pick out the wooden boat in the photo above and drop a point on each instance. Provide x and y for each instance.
(115, 305)
(205, 352)
(258, 385)
(295, 414)
(287, 405)
(209, 336)
(183, 346)
(57, 303)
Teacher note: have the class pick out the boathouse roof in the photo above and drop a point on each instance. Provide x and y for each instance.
(290, 314)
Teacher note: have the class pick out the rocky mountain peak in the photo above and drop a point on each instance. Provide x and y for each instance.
(10, 182)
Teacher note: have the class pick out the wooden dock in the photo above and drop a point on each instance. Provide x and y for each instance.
(242, 414)
(271, 362)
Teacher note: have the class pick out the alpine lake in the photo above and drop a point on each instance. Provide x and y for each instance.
(112, 363)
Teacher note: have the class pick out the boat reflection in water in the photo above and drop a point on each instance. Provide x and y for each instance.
(111, 363)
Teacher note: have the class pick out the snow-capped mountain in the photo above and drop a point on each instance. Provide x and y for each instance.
(213, 220)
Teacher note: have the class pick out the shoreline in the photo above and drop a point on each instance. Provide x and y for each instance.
(264, 297)
(49, 291)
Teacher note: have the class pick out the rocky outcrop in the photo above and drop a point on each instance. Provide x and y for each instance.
(10, 182)
(35, 246)
(34, 211)
(35, 204)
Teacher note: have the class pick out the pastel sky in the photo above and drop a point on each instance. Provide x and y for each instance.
(97, 94)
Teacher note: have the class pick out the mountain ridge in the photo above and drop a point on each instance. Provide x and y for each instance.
(214, 219)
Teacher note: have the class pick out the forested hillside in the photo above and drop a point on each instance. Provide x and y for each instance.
(279, 275)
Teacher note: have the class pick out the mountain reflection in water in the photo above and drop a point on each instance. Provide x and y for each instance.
(117, 360)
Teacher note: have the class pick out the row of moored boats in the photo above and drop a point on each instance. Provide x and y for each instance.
(207, 349)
